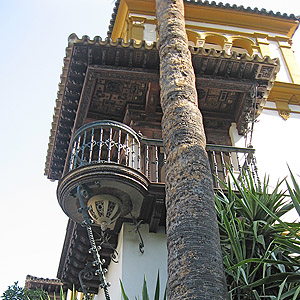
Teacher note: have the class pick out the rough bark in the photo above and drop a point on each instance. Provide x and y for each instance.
(195, 268)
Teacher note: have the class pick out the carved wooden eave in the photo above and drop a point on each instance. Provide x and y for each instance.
(87, 60)
(75, 254)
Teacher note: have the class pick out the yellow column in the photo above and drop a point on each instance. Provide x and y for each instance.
(200, 43)
(290, 60)
(120, 22)
(136, 28)
(263, 43)
(227, 47)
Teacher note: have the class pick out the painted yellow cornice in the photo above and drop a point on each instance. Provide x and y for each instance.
(284, 94)
(212, 15)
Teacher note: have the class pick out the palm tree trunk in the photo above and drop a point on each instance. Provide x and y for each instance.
(195, 267)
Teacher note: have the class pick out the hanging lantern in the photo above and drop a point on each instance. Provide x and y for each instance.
(104, 209)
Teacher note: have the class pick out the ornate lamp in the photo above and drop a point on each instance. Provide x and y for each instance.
(104, 209)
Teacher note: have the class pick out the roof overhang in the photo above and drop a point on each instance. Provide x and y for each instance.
(140, 62)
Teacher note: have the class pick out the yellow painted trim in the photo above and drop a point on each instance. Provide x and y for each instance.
(283, 109)
(136, 28)
(263, 43)
(215, 15)
(289, 58)
(243, 38)
(120, 21)
(264, 38)
(193, 36)
(285, 92)
(199, 39)
(148, 21)
(283, 113)
(281, 30)
(275, 109)
(240, 19)
(281, 105)
(143, 7)
(215, 38)
(243, 42)
(204, 28)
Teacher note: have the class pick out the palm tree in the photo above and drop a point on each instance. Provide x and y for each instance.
(194, 256)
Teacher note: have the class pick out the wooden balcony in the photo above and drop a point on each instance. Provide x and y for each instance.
(113, 142)
(109, 158)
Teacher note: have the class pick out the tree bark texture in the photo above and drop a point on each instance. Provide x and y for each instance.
(195, 267)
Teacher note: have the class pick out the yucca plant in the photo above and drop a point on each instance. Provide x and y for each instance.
(261, 252)
(145, 295)
(294, 192)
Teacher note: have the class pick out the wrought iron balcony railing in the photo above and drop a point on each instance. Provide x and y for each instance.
(105, 141)
(114, 142)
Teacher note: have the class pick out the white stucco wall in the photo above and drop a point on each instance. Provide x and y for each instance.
(276, 142)
(150, 33)
(283, 74)
(133, 265)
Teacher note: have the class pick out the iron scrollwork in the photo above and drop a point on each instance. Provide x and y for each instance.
(137, 230)
(82, 193)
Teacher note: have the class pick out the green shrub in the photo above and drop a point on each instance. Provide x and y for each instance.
(260, 251)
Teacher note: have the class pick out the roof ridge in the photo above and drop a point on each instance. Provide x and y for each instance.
(41, 279)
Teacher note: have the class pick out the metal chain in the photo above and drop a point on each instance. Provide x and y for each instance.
(94, 250)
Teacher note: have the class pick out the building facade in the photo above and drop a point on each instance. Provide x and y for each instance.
(53, 287)
(105, 147)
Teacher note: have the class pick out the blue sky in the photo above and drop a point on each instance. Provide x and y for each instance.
(33, 41)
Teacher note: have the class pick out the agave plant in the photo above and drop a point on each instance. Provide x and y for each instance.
(261, 252)
(145, 295)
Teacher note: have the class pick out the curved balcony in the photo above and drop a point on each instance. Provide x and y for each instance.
(105, 142)
(105, 161)
(114, 163)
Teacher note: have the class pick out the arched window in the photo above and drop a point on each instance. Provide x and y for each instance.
(242, 45)
(214, 41)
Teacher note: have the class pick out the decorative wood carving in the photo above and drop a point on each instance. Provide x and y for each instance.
(106, 76)
(157, 212)
(284, 114)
